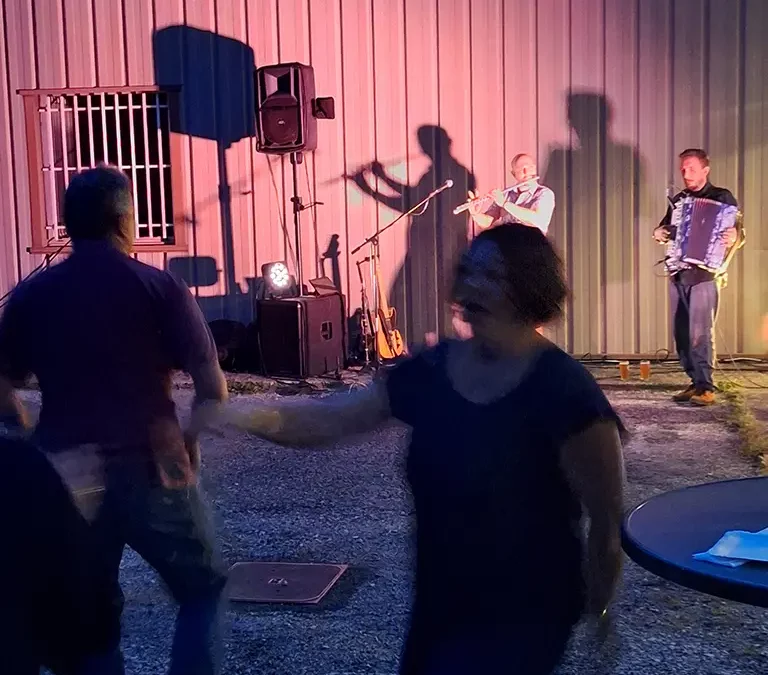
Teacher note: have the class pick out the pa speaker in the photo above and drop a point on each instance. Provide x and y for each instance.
(301, 337)
(284, 117)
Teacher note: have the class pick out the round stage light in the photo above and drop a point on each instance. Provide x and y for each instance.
(279, 276)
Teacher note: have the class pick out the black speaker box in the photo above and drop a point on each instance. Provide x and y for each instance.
(301, 337)
(284, 118)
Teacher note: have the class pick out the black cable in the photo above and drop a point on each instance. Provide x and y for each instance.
(46, 262)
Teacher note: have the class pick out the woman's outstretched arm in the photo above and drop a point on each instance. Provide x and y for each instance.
(315, 421)
(593, 464)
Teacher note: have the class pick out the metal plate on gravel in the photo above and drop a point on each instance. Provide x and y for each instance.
(297, 583)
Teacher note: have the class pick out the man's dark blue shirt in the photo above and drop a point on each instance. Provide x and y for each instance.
(103, 332)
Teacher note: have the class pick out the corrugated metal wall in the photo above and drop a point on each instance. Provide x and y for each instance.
(607, 92)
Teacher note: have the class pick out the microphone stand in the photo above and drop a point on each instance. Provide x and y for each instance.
(373, 240)
(400, 217)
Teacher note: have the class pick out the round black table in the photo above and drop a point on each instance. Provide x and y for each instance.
(664, 532)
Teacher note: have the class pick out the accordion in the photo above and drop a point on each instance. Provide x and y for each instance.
(700, 225)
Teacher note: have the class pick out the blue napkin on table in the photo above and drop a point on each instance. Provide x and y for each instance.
(737, 547)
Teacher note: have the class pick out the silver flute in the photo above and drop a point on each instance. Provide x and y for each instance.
(467, 204)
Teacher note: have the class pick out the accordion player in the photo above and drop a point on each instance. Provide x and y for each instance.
(699, 225)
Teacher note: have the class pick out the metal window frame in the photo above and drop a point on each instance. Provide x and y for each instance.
(34, 136)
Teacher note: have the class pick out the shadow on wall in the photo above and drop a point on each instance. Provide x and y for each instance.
(600, 186)
(217, 104)
(595, 177)
(421, 285)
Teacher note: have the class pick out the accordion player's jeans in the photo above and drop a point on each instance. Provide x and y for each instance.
(694, 310)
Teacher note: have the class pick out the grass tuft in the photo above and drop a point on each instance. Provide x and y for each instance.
(754, 443)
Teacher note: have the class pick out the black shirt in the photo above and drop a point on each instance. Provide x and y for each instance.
(487, 485)
(103, 332)
(696, 275)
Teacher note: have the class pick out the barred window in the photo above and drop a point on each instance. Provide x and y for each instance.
(70, 130)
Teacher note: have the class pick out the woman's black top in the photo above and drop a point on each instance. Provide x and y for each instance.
(497, 527)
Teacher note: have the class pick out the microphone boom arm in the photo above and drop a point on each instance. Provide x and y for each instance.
(444, 186)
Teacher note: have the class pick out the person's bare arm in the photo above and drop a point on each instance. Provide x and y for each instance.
(482, 220)
(593, 465)
(193, 350)
(539, 217)
(316, 421)
(210, 393)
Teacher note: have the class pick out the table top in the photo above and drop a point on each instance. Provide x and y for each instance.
(664, 532)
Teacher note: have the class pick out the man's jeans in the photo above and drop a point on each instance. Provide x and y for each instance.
(172, 530)
(694, 311)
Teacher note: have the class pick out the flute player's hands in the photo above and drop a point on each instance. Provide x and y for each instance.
(475, 205)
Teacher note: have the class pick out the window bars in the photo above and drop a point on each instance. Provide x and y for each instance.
(129, 129)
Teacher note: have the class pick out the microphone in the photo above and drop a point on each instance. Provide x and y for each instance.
(444, 186)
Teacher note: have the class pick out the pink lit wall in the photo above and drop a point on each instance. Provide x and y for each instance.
(604, 92)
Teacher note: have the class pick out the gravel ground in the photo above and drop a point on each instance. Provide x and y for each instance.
(348, 503)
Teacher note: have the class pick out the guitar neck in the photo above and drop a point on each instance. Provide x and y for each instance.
(383, 305)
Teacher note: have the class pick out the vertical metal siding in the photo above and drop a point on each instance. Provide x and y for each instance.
(655, 153)
(754, 118)
(606, 92)
(418, 277)
(9, 255)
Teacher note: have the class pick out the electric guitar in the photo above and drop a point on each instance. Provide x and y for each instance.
(389, 342)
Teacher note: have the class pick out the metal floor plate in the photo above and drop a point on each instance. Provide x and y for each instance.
(297, 583)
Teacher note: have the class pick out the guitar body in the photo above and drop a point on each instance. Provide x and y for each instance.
(389, 342)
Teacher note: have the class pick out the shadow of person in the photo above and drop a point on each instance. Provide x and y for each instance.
(599, 184)
(435, 238)
(332, 254)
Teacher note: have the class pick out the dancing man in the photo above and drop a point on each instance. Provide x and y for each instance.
(102, 332)
(695, 291)
(530, 203)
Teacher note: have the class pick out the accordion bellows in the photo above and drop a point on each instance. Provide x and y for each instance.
(699, 241)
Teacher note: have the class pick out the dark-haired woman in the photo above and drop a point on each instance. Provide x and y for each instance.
(512, 440)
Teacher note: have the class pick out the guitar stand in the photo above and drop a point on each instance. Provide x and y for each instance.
(368, 334)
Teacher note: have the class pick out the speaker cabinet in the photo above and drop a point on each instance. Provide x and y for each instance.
(301, 337)
(284, 119)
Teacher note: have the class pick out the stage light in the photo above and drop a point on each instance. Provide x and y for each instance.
(278, 275)
(280, 282)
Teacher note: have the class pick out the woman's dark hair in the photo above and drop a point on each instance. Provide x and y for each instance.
(533, 271)
(98, 204)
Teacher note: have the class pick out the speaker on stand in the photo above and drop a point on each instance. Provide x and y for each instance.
(286, 123)
(299, 336)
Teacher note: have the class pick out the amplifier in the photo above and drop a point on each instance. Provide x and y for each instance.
(301, 337)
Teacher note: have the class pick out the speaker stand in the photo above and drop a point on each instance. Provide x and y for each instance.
(296, 159)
